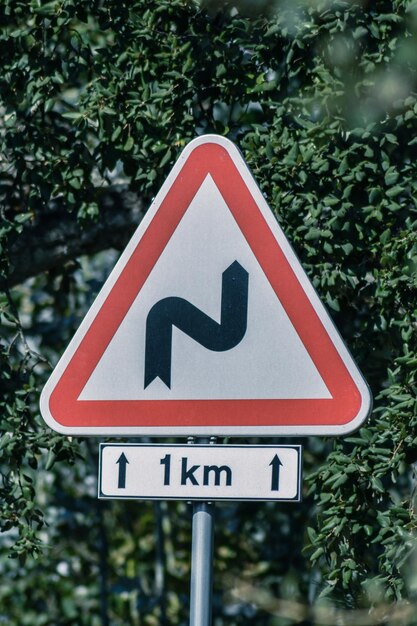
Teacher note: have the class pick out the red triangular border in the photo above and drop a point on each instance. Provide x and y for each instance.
(346, 401)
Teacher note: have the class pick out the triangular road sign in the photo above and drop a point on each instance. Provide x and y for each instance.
(207, 324)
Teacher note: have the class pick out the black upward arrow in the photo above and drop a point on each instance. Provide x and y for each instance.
(122, 461)
(174, 311)
(276, 464)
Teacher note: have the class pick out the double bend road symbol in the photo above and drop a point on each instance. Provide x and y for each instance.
(178, 312)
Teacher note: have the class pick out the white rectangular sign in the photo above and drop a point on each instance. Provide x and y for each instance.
(200, 472)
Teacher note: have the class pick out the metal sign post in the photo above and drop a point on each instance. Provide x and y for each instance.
(202, 564)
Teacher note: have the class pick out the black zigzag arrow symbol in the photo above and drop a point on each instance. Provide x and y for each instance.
(180, 313)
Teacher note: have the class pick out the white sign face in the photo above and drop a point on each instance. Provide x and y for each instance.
(200, 472)
(269, 362)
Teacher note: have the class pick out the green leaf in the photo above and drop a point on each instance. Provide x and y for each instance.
(73, 115)
(347, 248)
(391, 176)
(116, 133)
(391, 138)
(395, 191)
(129, 144)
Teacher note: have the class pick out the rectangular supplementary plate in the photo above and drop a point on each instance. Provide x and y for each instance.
(200, 472)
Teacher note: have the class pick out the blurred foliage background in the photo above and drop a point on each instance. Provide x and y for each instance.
(97, 100)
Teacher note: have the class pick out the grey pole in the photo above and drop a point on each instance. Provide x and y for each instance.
(202, 564)
(202, 559)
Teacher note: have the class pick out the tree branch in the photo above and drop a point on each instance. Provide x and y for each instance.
(57, 236)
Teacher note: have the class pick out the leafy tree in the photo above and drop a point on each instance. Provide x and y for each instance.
(97, 100)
